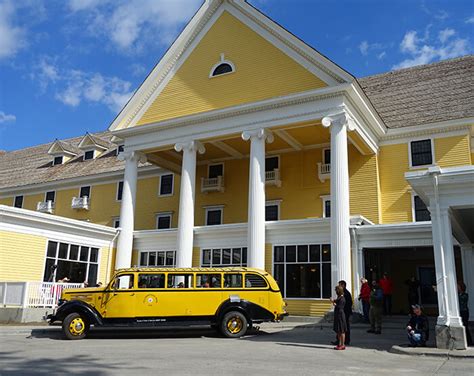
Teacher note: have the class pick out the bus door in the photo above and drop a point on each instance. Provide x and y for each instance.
(119, 299)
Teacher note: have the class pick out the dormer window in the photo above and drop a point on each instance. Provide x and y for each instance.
(58, 160)
(120, 149)
(222, 67)
(89, 154)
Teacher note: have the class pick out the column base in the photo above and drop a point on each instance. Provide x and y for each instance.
(450, 337)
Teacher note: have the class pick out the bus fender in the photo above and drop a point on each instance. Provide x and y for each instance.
(252, 311)
(85, 310)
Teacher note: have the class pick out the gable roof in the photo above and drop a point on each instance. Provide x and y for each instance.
(90, 139)
(423, 94)
(59, 147)
(308, 57)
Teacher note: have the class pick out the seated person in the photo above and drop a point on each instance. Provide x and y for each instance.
(418, 327)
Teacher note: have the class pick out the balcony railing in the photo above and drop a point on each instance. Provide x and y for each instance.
(324, 171)
(212, 184)
(45, 207)
(273, 177)
(80, 203)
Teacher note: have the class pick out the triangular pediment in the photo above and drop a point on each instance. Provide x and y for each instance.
(269, 62)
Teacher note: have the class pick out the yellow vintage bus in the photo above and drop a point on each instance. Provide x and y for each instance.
(229, 299)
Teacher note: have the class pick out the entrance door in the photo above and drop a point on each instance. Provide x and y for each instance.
(119, 302)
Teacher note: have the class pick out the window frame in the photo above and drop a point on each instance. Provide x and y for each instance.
(163, 215)
(413, 207)
(156, 252)
(222, 61)
(410, 158)
(115, 220)
(117, 191)
(213, 208)
(62, 160)
(320, 244)
(88, 151)
(22, 201)
(46, 195)
(118, 151)
(273, 203)
(323, 156)
(273, 156)
(324, 199)
(214, 164)
(90, 191)
(172, 185)
(221, 250)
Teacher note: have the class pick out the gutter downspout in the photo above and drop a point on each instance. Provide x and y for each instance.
(435, 172)
(109, 258)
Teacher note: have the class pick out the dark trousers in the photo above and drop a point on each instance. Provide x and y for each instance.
(375, 315)
(365, 310)
(387, 304)
(465, 322)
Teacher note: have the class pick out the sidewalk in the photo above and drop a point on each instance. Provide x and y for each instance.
(431, 351)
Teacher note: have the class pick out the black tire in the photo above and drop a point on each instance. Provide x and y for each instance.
(234, 324)
(75, 326)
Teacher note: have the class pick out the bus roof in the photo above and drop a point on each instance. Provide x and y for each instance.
(192, 270)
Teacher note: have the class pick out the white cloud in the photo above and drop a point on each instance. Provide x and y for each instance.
(381, 55)
(364, 47)
(470, 20)
(72, 86)
(12, 38)
(4, 118)
(424, 51)
(130, 25)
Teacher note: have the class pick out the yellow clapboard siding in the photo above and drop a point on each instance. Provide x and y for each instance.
(196, 260)
(22, 256)
(308, 307)
(262, 71)
(269, 258)
(105, 259)
(452, 151)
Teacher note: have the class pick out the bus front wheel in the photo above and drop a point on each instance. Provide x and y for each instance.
(234, 324)
(75, 326)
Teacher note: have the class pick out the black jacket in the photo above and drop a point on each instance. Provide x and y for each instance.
(348, 305)
(420, 325)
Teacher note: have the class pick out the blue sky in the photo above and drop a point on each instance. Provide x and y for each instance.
(67, 67)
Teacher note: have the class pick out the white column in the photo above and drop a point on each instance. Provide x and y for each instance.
(256, 203)
(184, 254)
(127, 209)
(340, 217)
(445, 269)
(467, 258)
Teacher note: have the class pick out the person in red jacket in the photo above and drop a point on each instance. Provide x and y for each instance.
(386, 285)
(364, 297)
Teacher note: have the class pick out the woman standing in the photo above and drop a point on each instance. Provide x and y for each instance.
(340, 325)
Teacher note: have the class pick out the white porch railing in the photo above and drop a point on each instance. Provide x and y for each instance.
(45, 207)
(212, 184)
(273, 177)
(80, 203)
(33, 294)
(324, 171)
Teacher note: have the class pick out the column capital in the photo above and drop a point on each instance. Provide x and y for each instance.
(132, 155)
(192, 146)
(266, 134)
(339, 120)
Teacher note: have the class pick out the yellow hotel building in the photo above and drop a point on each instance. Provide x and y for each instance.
(245, 146)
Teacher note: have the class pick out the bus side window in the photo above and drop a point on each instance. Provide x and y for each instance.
(208, 280)
(151, 281)
(254, 281)
(124, 282)
(180, 281)
(233, 280)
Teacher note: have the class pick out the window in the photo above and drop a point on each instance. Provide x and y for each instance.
(50, 196)
(272, 211)
(78, 263)
(158, 258)
(124, 282)
(222, 68)
(326, 206)
(254, 281)
(116, 222)
(163, 220)
(232, 280)
(212, 281)
(180, 281)
(223, 257)
(119, 190)
(18, 202)
(303, 271)
(327, 156)
(85, 191)
(151, 281)
(421, 153)
(216, 170)
(120, 149)
(421, 211)
(214, 216)
(58, 160)
(166, 184)
(272, 163)
(89, 155)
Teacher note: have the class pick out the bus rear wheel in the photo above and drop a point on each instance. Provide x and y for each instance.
(234, 324)
(75, 326)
